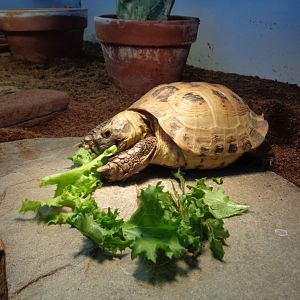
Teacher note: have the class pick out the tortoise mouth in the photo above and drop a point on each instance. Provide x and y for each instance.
(89, 146)
(96, 147)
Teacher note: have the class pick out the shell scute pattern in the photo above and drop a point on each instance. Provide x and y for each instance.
(174, 128)
(247, 146)
(219, 149)
(204, 150)
(207, 120)
(163, 93)
(220, 95)
(193, 97)
(230, 139)
(232, 148)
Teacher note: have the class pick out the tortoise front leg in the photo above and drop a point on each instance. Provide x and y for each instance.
(130, 161)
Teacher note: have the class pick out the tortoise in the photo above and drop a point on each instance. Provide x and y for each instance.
(187, 125)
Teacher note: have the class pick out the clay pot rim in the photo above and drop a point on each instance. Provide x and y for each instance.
(43, 19)
(176, 31)
(33, 12)
(172, 20)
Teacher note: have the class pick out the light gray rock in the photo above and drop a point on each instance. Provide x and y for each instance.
(57, 262)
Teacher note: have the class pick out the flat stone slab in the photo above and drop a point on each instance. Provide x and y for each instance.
(57, 262)
(31, 106)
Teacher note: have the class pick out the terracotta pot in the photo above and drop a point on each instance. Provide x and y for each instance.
(142, 54)
(39, 34)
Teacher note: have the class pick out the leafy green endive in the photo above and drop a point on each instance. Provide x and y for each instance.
(219, 204)
(70, 177)
(74, 191)
(154, 226)
(81, 157)
(174, 224)
(165, 223)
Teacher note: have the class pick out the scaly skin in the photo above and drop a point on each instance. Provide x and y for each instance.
(130, 161)
(123, 130)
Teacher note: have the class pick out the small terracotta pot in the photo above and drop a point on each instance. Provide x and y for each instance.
(40, 34)
(142, 54)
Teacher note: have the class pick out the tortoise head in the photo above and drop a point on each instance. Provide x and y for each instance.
(123, 130)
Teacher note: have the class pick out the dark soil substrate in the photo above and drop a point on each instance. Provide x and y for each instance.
(94, 99)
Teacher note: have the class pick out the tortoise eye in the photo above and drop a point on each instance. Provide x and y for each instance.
(106, 134)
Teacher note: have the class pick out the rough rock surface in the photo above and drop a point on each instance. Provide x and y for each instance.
(57, 262)
(30, 106)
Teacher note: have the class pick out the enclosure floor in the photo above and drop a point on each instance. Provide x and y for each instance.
(57, 262)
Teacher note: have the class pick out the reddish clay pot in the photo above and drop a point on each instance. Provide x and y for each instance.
(40, 34)
(142, 54)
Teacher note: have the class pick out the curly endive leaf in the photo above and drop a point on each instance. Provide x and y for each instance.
(70, 177)
(150, 229)
(221, 206)
(81, 157)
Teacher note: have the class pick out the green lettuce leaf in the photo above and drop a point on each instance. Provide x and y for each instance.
(74, 191)
(163, 224)
(216, 236)
(70, 177)
(71, 196)
(81, 157)
(218, 180)
(180, 176)
(150, 229)
(221, 206)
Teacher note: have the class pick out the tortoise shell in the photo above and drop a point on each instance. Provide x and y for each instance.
(204, 119)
